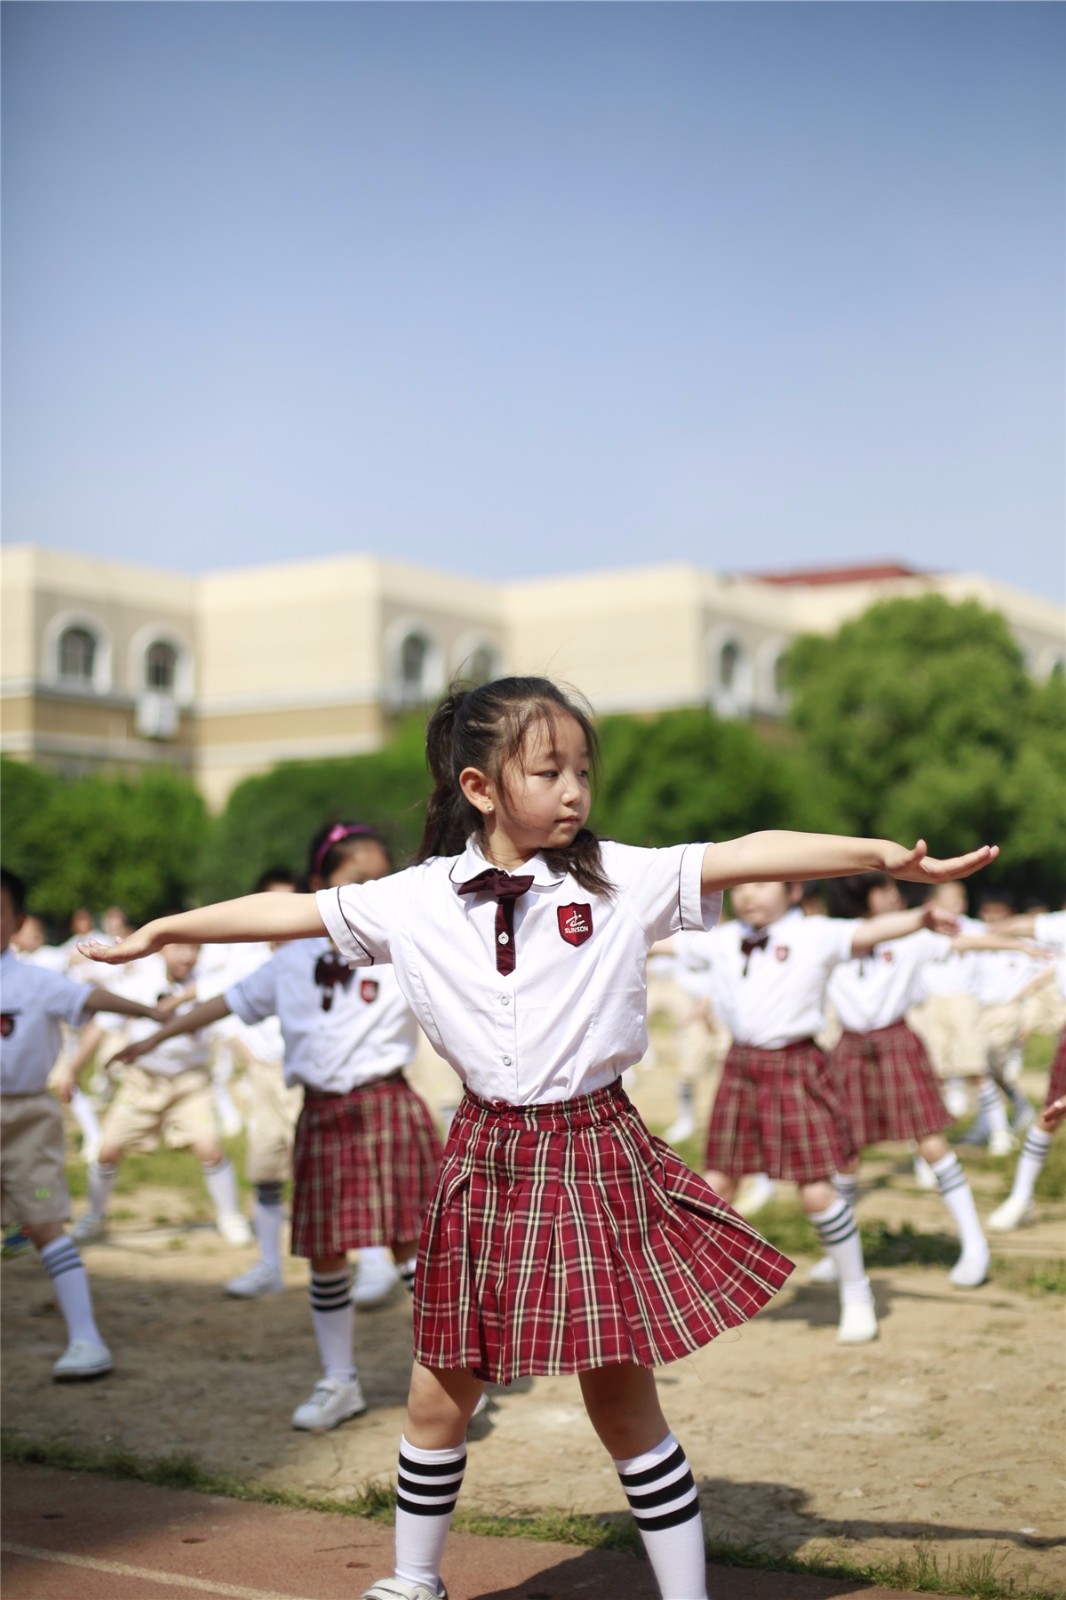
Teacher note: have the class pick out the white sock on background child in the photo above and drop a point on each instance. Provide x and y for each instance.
(333, 1316)
(221, 1183)
(71, 1284)
(101, 1181)
(268, 1220)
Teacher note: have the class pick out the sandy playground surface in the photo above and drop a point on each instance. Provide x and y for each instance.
(948, 1430)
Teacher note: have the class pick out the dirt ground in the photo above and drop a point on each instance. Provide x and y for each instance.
(949, 1430)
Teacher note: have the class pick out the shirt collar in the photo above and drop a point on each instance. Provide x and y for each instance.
(472, 861)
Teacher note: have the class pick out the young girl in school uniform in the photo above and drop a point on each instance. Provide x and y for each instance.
(561, 1237)
(366, 1149)
(884, 1075)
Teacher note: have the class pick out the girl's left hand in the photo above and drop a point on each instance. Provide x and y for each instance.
(917, 866)
(135, 945)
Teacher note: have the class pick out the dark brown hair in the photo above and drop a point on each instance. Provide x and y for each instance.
(334, 842)
(485, 728)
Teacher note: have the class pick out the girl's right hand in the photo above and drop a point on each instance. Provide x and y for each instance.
(128, 1054)
(135, 945)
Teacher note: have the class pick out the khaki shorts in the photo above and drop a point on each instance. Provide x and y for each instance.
(272, 1112)
(950, 1029)
(148, 1105)
(1001, 1026)
(32, 1151)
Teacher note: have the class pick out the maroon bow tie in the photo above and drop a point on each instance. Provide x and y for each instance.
(758, 941)
(507, 890)
(329, 971)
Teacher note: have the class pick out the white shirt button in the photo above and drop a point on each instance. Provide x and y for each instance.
(503, 939)
(506, 1060)
(505, 999)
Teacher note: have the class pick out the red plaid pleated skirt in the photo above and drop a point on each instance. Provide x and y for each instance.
(779, 1112)
(564, 1237)
(1057, 1082)
(364, 1166)
(888, 1085)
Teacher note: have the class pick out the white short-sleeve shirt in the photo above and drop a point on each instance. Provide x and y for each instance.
(365, 1031)
(228, 964)
(780, 997)
(33, 1003)
(875, 990)
(572, 1015)
(149, 983)
(955, 973)
(999, 976)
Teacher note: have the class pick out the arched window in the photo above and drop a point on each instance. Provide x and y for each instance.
(414, 655)
(781, 675)
(483, 666)
(729, 658)
(77, 655)
(161, 667)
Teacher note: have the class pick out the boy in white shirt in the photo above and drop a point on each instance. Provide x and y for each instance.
(34, 1002)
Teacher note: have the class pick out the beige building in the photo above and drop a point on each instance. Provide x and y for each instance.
(110, 665)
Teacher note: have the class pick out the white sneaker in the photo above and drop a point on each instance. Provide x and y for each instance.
(756, 1192)
(924, 1176)
(400, 1589)
(482, 1405)
(89, 1228)
(83, 1358)
(1010, 1215)
(1001, 1142)
(376, 1277)
(260, 1279)
(858, 1323)
(234, 1228)
(971, 1269)
(824, 1271)
(332, 1400)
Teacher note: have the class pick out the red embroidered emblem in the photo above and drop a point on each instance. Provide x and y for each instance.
(781, 951)
(7, 1024)
(888, 955)
(575, 923)
(368, 990)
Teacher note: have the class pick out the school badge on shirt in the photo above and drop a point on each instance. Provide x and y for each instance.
(575, 923)
(368, 990)
(781, 951)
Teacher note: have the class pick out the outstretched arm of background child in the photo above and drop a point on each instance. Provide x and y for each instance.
(898, 924)
(778, 855)
(201, 1016)
(254, 918)
(66, 1077)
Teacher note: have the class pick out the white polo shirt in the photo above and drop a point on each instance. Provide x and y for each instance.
(221, 966)
(955, 973)
(874, 991)
(364, 1031)
(33, 1003)
(999, 976)
(781, 996)
(148, 982)
(573, 1014)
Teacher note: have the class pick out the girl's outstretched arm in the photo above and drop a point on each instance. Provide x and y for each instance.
(254, 918)
(201, 1016)
(779, 856)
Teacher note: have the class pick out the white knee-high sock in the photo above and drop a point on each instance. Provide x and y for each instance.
(70, 1281)
(662, 1497)
(86, 1118)
(839, 1234)
(1034, 1154)
(957, 1195)
(268, 1219)
(221, 1183)
(990, 1107)
(846, 1185)
(101, 1181)
(333, 1316)
(427, 1487)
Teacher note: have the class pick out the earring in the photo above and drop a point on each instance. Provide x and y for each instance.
(488, 807)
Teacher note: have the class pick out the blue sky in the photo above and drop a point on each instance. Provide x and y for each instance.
(525, 289)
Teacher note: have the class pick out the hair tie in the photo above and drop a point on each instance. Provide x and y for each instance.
(339, 831)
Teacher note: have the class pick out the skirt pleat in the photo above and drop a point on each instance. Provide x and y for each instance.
(565, 1237)
(779, 1112)
(888, 1085)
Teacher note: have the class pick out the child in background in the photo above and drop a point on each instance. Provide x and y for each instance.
(889, 1088)
(779, 1108)
(1047, 928)
(33, 1188)
(272, 1106)
(562, 1237)
(1001, 980)
(945, 1012)
(168, 1093)
(367, 1152)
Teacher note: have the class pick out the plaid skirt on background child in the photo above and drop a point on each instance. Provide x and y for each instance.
(888, 1085)
(564, 1237)
(779, 1112)
(1057, 1080)
(364, 1165)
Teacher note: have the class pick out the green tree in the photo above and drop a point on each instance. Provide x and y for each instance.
(924, 721)
(102, 841)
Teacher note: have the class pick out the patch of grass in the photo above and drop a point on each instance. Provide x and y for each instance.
(977, 1577)
(1037, 1278)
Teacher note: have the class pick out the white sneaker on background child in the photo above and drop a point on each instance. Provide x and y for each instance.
(376, 1276)
(1015, 1210)
(332, 1400)
(83, 1358)
(234, 1228)
(259, 1279)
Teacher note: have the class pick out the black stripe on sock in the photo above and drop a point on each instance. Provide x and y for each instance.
(633, 1480)
(659, 1497)
(669, 1519)
(416, 1510)
(439, 1491)
(432, 1469)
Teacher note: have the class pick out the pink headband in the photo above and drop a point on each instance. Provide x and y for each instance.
(339, 831)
